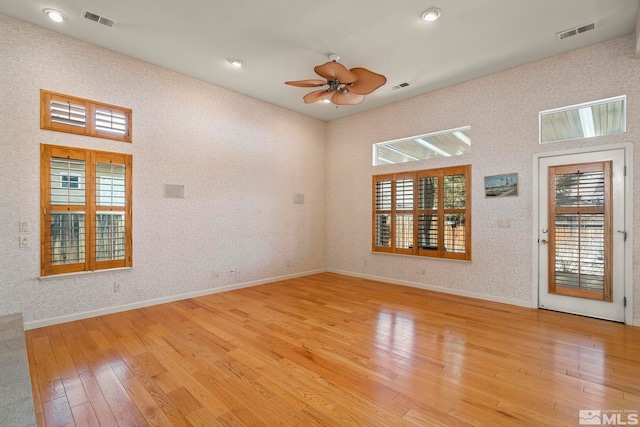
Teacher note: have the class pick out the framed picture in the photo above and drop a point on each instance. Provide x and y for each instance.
(501, 185)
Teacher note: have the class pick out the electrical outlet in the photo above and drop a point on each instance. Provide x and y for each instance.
(117, 287)
(215, 274)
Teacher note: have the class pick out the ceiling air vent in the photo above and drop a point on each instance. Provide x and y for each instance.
(97, 18)
(400, 86)
(575, 31)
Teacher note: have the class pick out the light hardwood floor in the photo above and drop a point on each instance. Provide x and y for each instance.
(331, 350)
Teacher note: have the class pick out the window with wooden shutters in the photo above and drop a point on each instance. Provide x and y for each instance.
(580, 230)
(64, 113)
(86, 210)
(425, 213)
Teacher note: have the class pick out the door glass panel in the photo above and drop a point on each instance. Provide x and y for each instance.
(580, 189)
(579, 254)
(578, 229)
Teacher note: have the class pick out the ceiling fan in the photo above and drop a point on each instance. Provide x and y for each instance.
(346, 87)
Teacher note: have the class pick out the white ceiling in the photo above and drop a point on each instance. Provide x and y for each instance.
(282, 40)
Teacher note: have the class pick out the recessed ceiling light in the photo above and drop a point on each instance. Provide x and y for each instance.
(236, 63)
(431, 14)
(54, 15)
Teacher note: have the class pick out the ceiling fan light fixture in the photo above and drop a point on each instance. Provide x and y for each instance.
(54, 15)
(345, 87)
(236, 63)
(431, 14)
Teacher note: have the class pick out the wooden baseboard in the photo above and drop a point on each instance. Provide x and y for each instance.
(458, 292)
(34, 324)
(110, 310)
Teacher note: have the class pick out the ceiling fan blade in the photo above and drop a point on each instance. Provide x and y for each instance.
(317, 96)
(307, 83)
(347, 98)
(335, 71)
(367, 82)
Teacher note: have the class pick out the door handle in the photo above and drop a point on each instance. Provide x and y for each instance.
(544, 241)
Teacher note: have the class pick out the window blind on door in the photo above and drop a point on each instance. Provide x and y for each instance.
(581, 230)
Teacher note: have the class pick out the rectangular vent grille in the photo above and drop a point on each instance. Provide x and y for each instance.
(400, 86)
(173, 191)
(575, 31)
(97, 18)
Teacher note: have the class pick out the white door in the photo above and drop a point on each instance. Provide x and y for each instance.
(581, 234)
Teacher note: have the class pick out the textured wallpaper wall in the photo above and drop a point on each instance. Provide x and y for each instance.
(241, 161)
(502, 110)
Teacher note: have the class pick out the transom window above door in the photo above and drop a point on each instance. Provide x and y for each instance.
(597, 118)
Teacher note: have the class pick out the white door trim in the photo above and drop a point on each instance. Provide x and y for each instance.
(628, 195)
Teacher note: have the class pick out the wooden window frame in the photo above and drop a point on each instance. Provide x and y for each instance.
(90, 209)
(90, 107)
(440, 251)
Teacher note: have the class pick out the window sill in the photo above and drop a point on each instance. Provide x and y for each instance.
(420, 256)
(85, 273)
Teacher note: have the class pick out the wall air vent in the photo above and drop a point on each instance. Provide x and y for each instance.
(173, 191)
(400, 86)
(575, 31)
(97, 18)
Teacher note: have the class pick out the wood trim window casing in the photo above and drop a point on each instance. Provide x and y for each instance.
(399, 223)
(87, 208)
(83, 117)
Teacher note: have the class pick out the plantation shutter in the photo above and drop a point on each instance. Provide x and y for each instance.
(424, 213)
(86, 210)
(580, 231)
(382, 214)
(111, 121)
(64, 113)
(110, 219)
(65, 208)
